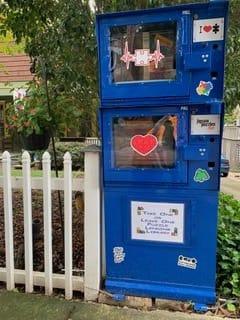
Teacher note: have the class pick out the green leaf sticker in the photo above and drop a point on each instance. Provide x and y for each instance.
(201, 175)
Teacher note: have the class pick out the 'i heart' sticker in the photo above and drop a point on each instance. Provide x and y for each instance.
(144, 145)
(208, 30)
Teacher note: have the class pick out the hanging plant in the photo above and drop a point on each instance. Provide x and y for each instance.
(29, 113)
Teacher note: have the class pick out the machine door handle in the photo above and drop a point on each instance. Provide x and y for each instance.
(197, 61)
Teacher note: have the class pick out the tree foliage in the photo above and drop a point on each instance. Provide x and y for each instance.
(228, 256)
(60, 37)
(103, 6)
(232, 70)
(61, 34)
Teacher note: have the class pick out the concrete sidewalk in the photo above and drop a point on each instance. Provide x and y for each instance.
(22, 306)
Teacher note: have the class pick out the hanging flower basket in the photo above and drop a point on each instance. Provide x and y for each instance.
(35, 141)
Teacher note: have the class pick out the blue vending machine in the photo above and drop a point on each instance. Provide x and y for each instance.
(161, 110)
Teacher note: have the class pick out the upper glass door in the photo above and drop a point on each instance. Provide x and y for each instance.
(142, 56)
(143, 52)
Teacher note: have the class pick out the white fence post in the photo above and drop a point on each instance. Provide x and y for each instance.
(8, 222)
(68, 224)
(47, 205)
(92, 225)
(27, 205)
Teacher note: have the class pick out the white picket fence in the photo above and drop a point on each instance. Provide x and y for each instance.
(89, 283)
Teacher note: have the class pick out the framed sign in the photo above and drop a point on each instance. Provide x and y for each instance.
(205, 124)
(208, 30)
(157, 221)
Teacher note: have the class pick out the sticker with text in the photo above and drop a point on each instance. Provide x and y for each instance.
(205, 124)
(208, 30)
(157, 221)
(118, 254)
(201, 175)
(204, 88)
(187, 262)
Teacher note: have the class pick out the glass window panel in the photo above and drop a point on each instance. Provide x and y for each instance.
(143, 52)
(145, 141)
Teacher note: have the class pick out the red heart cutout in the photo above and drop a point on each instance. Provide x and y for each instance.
(207, 28)
(144, 144)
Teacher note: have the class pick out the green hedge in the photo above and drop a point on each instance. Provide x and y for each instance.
(228, 254)
(74, 148)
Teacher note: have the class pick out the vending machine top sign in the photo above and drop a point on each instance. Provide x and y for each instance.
(166, 53)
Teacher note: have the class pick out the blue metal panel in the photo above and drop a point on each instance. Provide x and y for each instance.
(161, 216)
(178, 174)
(196, 155)
(152, 268)
(197, 59)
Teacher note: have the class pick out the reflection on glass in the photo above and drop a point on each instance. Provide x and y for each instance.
(145, 141)
(143, 52)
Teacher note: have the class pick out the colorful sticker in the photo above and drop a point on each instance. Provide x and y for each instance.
(201, 175)
(208, 30)
(142, 57)
(204, 88)
(187, 262)
(118, 254)
(143, 145)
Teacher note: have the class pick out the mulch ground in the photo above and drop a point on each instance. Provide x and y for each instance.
(38, 235)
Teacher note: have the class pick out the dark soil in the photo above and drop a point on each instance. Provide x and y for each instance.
(38, 236)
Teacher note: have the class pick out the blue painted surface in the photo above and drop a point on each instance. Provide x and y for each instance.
(138, 263)
(190, 66)
(151, 268)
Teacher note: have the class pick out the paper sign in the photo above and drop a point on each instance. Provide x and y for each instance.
(157, 221)
(205, 124)
(208, 30)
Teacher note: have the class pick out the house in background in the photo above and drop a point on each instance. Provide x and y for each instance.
(14, 74)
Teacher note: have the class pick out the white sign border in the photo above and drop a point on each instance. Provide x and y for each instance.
(158, 221)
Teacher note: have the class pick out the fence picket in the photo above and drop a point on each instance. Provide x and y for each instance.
(8, 221)
(90, 282)
(47, 221)
(27, 205)
(68, 224)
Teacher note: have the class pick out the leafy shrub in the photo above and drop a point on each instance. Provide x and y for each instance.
(74, 148)
(228, 255)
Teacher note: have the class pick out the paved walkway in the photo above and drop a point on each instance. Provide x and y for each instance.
(22, 306)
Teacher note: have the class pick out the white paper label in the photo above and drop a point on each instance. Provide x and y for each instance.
(208, 30)
(205, 124)
(157, 221)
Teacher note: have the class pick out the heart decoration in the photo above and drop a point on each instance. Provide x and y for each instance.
(207, 28)
(144, 145)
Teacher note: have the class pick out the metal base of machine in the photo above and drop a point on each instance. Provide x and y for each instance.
(200, 297)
